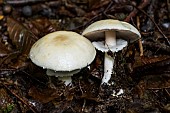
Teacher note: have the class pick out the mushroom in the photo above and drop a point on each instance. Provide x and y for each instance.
(116, 33)
(62, 53)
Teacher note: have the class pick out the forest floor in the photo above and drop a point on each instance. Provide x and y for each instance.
(144, 77)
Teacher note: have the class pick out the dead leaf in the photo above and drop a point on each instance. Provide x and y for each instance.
(1, 17)
(21, 37)
(3, 50)
(42, 26)
(45, 95)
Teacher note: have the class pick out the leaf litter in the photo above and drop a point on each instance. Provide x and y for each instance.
(144, 80)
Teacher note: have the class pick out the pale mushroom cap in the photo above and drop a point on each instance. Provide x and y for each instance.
(62, 51)
(123, 30)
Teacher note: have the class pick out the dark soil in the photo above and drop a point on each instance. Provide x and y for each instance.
(145, 79)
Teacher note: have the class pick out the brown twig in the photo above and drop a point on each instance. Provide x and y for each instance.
(157, 46)
(166, 38)
(140, 40)
(158, 88)
(84, 103)
(135, 11)
(22, 2)
(100, 13)
(167, 91)
(150, 68)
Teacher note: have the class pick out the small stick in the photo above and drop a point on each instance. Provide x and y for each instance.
(140, 47)
(22, 2)
(84, 103)
(140, 40)
(166, 38)
(167, 92)
(135, 11)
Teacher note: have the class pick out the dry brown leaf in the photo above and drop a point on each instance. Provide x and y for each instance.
(3, 50)
(21, 37)
(42, 26)
(45, 95)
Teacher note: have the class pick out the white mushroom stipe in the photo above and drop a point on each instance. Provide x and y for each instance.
(108, 68)
(108, 60)
(67, 80)
(50, 72)
(110, 40)
(63, 76)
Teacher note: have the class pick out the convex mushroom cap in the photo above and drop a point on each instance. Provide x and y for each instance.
(62, 51)
(124, 32)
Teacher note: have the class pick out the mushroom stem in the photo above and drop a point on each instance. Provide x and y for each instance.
(110, 40)
(64, 76)
(67, 80)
